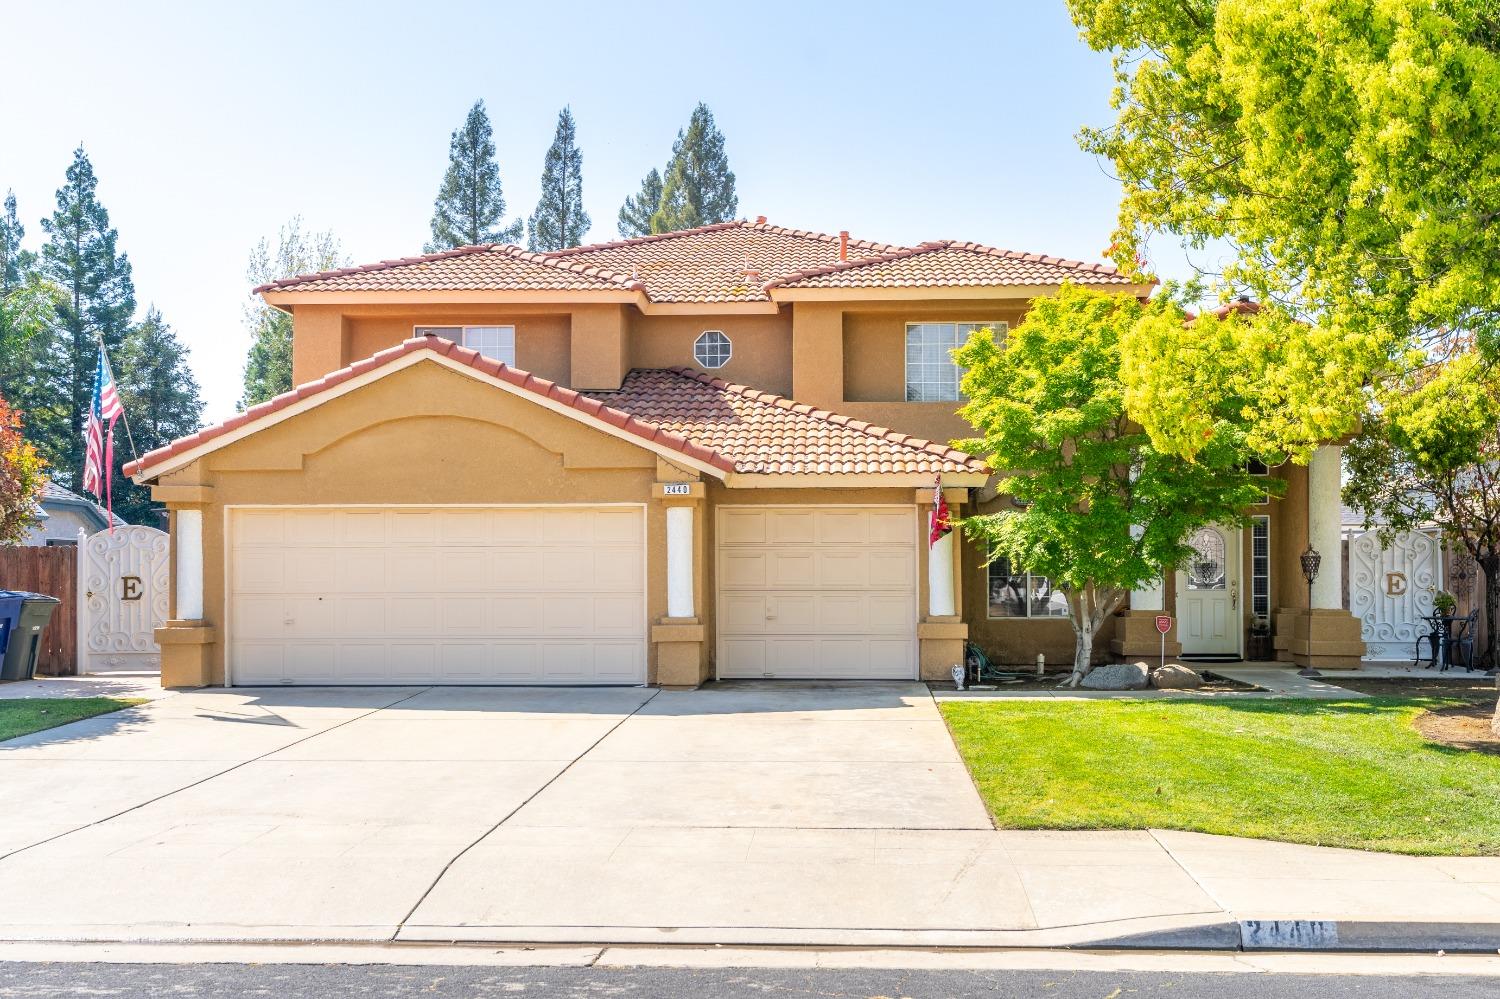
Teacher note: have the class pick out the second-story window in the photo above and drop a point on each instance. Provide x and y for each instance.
(931, 374)
(712, 349)
(495, 342)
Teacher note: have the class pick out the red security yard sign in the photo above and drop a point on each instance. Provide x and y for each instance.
(1163, 625)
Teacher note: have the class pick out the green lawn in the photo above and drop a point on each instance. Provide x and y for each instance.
(24, 715)
(1334, 773)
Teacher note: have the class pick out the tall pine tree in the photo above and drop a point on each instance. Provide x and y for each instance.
(470, 207)
(635, 215)
(698, 187)
(15, 261)
(559, 220)
(30, 363)
(268, 366)
(98, 301)
(161, 399)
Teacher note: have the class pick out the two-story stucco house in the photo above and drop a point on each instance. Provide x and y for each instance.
(660, 460)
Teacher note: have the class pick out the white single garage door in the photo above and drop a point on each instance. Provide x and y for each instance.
(809, 592)
(437, 595)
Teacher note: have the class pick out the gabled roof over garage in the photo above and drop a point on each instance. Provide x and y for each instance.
(730, 432)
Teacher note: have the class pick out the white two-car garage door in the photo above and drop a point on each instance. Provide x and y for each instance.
(810, 592)
(367, 595)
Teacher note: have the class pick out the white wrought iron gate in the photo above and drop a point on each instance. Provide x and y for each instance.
(1391, 589)
(122, 599)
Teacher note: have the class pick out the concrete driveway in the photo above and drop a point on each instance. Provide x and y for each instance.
(451, 812)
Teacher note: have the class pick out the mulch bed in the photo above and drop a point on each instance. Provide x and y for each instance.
(1465, 726)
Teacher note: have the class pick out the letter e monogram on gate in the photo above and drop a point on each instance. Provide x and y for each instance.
(1395, 584)
(130, 587)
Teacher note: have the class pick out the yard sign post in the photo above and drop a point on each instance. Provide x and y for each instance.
(1163, 625)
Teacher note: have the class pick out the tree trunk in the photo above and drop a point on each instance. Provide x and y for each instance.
(1088, 609)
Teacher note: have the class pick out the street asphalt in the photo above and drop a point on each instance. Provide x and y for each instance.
(311, 981)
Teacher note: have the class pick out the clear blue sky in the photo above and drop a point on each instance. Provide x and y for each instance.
(209, 125)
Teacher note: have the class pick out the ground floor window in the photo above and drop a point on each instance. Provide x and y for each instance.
(1014, 592)
(1260, 566)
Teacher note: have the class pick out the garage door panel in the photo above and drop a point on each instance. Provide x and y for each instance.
(412, 570)
(411, 595)
(743, 570)
(792, 568)
(412, 527)
(843, 568)
(259, 662)
(791, 527)
(818, 593)
(361, 571)
(891, 569)
(742, 527)
(357, 527)
(260, 571)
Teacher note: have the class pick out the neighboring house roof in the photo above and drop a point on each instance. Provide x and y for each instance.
(730, 262)
(949, 264)
(54, 495)
(768, 434)
(489, 265)
(701, 420)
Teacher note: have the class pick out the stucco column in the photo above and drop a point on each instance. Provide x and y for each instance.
(187, 555)
(940, 602)
(1324, 514)
(680, 561)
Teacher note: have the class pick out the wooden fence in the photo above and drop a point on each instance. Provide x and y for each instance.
(53, 571)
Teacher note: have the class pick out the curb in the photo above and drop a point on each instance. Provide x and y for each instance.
(1328, 935)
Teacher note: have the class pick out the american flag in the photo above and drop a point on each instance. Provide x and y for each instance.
(939, 521)
(99, 435)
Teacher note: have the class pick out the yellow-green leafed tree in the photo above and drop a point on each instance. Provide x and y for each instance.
(1346, 152)
(21, 478)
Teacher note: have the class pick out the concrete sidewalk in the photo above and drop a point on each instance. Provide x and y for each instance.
(834, 815)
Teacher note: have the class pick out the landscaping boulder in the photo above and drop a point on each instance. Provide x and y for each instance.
(1175, 677)
(1118, 676)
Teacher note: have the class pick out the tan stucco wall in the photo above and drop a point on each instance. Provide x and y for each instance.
(761, 346)
(543, 343)
(423, 435)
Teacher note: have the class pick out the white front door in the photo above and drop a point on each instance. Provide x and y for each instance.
(1208, 594)
(817, 592)
(122, 578)
(439, 595)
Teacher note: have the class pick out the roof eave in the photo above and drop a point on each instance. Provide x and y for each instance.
(286, 298)
(851, 480)
(917, 293)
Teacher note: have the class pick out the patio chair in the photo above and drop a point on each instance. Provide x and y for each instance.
(1460, 650)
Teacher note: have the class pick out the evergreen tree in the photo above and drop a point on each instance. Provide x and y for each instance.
(559, 220)
(268, 367)
(698, 188)
(15, 261)
(161, 400)
(635, 215)
(470, 206)
(97, 303)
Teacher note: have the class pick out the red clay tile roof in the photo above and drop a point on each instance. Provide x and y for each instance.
(468, 268)
(765, 433)
(945, 264)
(727, 262)
(730, 427)
(521, 379)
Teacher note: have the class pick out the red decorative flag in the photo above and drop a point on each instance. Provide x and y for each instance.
(99, 437)
(939, 522)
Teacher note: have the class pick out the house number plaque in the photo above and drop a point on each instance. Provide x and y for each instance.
(677, 488)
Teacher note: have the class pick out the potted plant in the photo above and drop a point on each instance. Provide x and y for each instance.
(1444, 602)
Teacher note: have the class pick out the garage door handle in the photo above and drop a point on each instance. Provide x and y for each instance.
(770, 609)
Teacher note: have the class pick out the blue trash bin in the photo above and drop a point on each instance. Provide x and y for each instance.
(10, 615)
